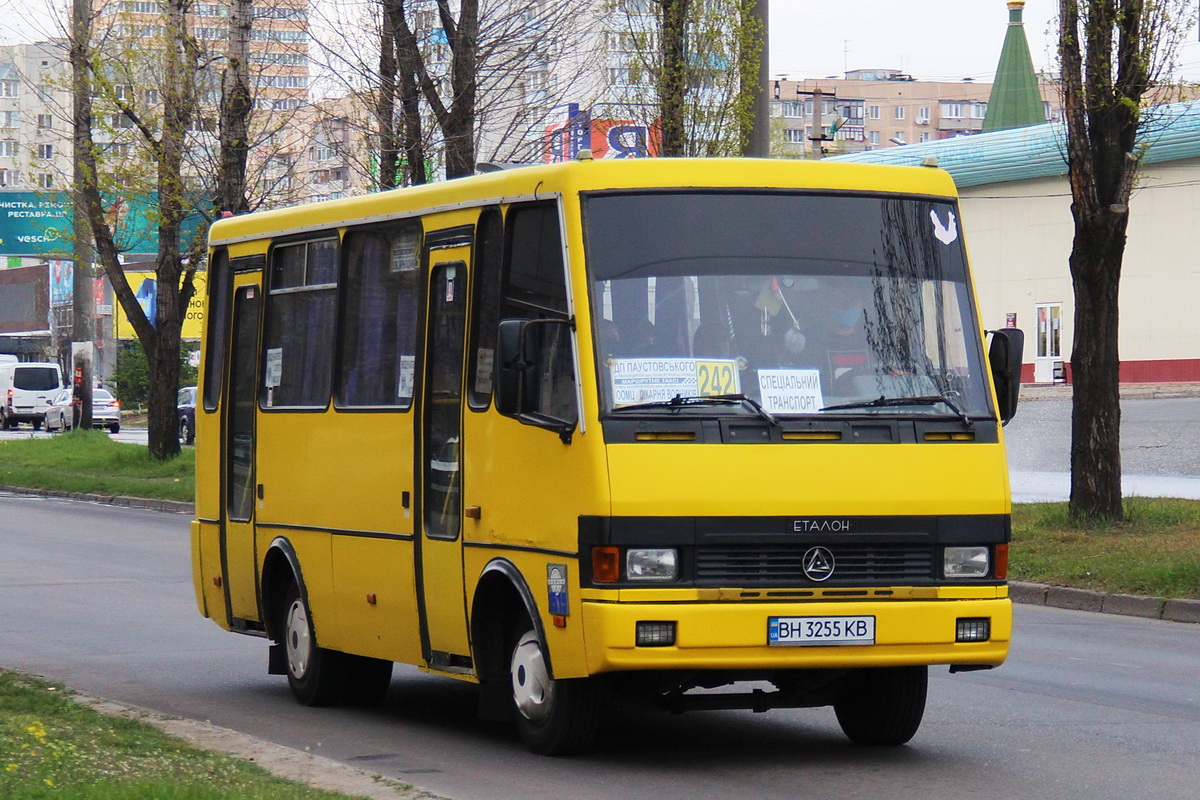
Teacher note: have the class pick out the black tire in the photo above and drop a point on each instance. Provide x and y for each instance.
(315, 674)
(555, 717)
(114, 428)
(366, 680)
(37, 424)
(882, 706)
(186, 434)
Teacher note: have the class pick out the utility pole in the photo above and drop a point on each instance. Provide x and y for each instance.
(760, 133)
(818, 137)
(83, 329)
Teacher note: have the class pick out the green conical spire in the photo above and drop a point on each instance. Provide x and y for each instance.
(1015, 100)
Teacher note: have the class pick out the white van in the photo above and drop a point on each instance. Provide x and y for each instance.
(26, 390)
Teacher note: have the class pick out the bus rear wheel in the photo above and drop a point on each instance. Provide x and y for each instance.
(313, 672)
(882, 706)
(555, 717)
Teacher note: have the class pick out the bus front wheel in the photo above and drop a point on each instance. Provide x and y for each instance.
(555, 717)
(312, 671)
(882, 706)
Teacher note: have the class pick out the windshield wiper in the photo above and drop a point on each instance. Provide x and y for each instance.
(894, 402)
(679, 401)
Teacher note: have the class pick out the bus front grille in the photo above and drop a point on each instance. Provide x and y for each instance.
(755, 565)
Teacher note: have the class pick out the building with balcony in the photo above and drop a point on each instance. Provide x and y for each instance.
(870, 109)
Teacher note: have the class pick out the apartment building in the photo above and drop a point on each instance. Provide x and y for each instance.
(35, 108)
(279, 46)
(869, 109)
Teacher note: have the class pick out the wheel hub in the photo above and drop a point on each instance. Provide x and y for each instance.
(299, 644)
(533, 690)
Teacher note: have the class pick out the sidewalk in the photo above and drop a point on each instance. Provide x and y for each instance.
(1138, 391)
(1055, 487)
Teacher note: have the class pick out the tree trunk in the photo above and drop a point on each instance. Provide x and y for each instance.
(385, 106)
(235, 111)
(83, 313)
(1095, 363)
(162, 395)
(411, 138)
(673, 76)
(460, 127)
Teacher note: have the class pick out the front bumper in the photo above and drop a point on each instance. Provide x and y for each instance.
(913, 630)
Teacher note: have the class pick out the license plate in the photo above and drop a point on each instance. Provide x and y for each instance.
(820, 631)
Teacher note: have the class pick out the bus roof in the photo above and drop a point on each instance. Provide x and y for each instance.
(528, 183)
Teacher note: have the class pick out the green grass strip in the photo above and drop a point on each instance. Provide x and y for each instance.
(1155, 552)
(53, 747)
(89, 461)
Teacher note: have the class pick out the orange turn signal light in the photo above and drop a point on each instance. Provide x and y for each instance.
(606, 564)
(1001, 562)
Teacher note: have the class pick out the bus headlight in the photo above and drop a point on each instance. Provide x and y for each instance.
(644, 564)
(965, 562)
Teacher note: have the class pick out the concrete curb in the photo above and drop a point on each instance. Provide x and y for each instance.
(1041, 594)
(169, 506)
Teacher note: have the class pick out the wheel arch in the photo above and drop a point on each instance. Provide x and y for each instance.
(280, 567)
(502, 596)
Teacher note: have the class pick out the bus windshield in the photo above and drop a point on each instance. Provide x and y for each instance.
(804, 303)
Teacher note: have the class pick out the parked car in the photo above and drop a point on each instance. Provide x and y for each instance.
(186, 403)
(106, 411)
(60, 414)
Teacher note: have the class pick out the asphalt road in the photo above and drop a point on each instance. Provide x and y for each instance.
(1089, 706)
(1158, 436)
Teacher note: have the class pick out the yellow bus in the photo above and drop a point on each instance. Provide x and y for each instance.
(610, 431)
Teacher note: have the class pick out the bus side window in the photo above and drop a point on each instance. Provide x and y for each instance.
(379, 314)
(220, 301)
(485, 312)
(534, 281)
(535, 289)
(301, 313)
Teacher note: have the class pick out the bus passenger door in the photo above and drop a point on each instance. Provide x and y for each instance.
(238, 557)
(441, 594)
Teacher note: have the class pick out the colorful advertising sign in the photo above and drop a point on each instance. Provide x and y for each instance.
(34, 223)
(145, 288)
(607, 138)
(38, 224)
(62, 282)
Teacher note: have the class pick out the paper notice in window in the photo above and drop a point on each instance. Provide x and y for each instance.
(408, 372)
(790, 391)
(273, 374)
(650, 380)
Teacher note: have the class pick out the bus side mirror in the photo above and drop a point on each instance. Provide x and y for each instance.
(1004, 356)
(535, 374)
(511, 370)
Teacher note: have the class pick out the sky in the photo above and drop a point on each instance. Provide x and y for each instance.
(928, 39)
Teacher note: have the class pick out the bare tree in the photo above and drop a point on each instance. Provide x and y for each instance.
(1112, 52)
(454, 111)
(399, 54)
(162, 136)
(694, 64)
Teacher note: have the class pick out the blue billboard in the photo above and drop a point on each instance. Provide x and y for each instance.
(38, 224)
